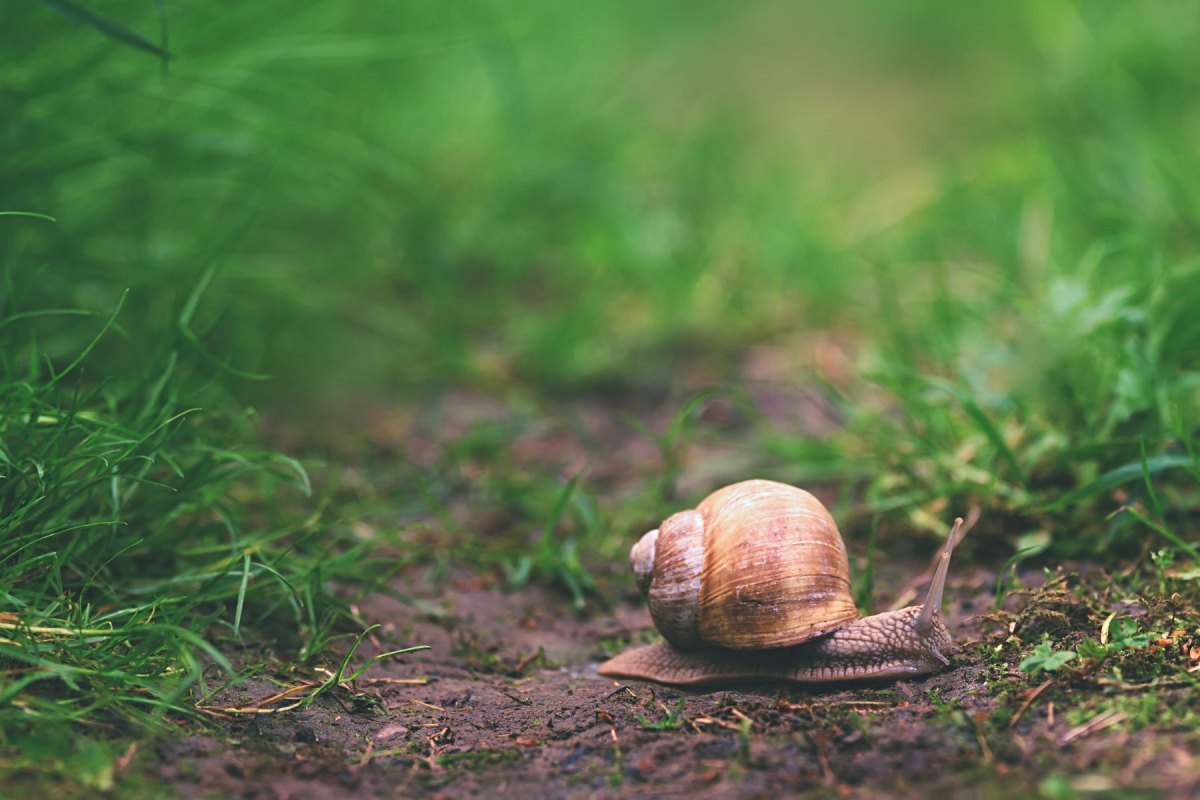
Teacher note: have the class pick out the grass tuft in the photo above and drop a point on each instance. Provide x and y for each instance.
(139, 536)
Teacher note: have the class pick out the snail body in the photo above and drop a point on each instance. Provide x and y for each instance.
(754, 583)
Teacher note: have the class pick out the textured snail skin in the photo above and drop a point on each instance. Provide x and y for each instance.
(884, 646)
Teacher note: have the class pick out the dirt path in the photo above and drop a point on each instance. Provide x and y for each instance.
(510, 704)
(507, 700)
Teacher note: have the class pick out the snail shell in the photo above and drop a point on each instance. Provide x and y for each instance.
(754, 584)
(756, 565)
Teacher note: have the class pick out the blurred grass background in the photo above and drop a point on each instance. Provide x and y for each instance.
(538, 201)
(985, 217)
(625, 185)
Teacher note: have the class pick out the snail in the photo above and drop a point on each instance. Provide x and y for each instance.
(754, 584)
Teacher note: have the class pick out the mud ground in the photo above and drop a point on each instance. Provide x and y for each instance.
(507, 702)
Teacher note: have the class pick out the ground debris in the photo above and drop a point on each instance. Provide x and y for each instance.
(497, 703)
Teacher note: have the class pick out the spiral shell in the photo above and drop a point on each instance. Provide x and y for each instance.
(756, 565)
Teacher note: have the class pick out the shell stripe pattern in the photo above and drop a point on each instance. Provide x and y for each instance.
(775, 569)
(675, 587)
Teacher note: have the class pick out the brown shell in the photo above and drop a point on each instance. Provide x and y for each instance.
(756, 565)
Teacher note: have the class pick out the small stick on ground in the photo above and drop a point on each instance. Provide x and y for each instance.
(1033, 695)
(404, 700)
(785, 705)
(742, 716)
(828, 778)
(524, 701)
(366, 756)
(520, 666)
(985, 752)
(126, 757)
(616, 692)
(262, 706)
(1096, 723)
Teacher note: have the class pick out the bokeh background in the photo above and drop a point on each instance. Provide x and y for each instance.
(546, 198)
(967, 236)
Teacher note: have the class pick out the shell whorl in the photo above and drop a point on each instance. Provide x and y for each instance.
(756, 565)
(641, 558)
(783, 538)
(674, 590)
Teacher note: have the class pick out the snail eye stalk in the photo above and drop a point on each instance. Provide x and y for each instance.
(933, 601)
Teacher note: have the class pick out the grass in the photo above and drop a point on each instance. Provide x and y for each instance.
(143, 541)
(672, 719)
(969, 236)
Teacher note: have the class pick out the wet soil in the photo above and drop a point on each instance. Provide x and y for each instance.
(507, 702)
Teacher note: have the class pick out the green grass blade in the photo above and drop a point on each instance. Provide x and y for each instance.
(1121, 476)
(113, 30)
(1164, 531)
(79, 359)
(1151, 494)
(986, 426)
(546, 548)
(32, 214)
(241, 597)
(184, 322)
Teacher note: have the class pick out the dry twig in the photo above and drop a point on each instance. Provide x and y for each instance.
(1033, 695)
(1096, 723)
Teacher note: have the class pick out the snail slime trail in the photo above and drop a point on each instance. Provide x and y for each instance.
(754, 583)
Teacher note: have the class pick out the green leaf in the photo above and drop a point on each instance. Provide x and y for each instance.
(1091, 650)
(1046, 658)
(1125, 635)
